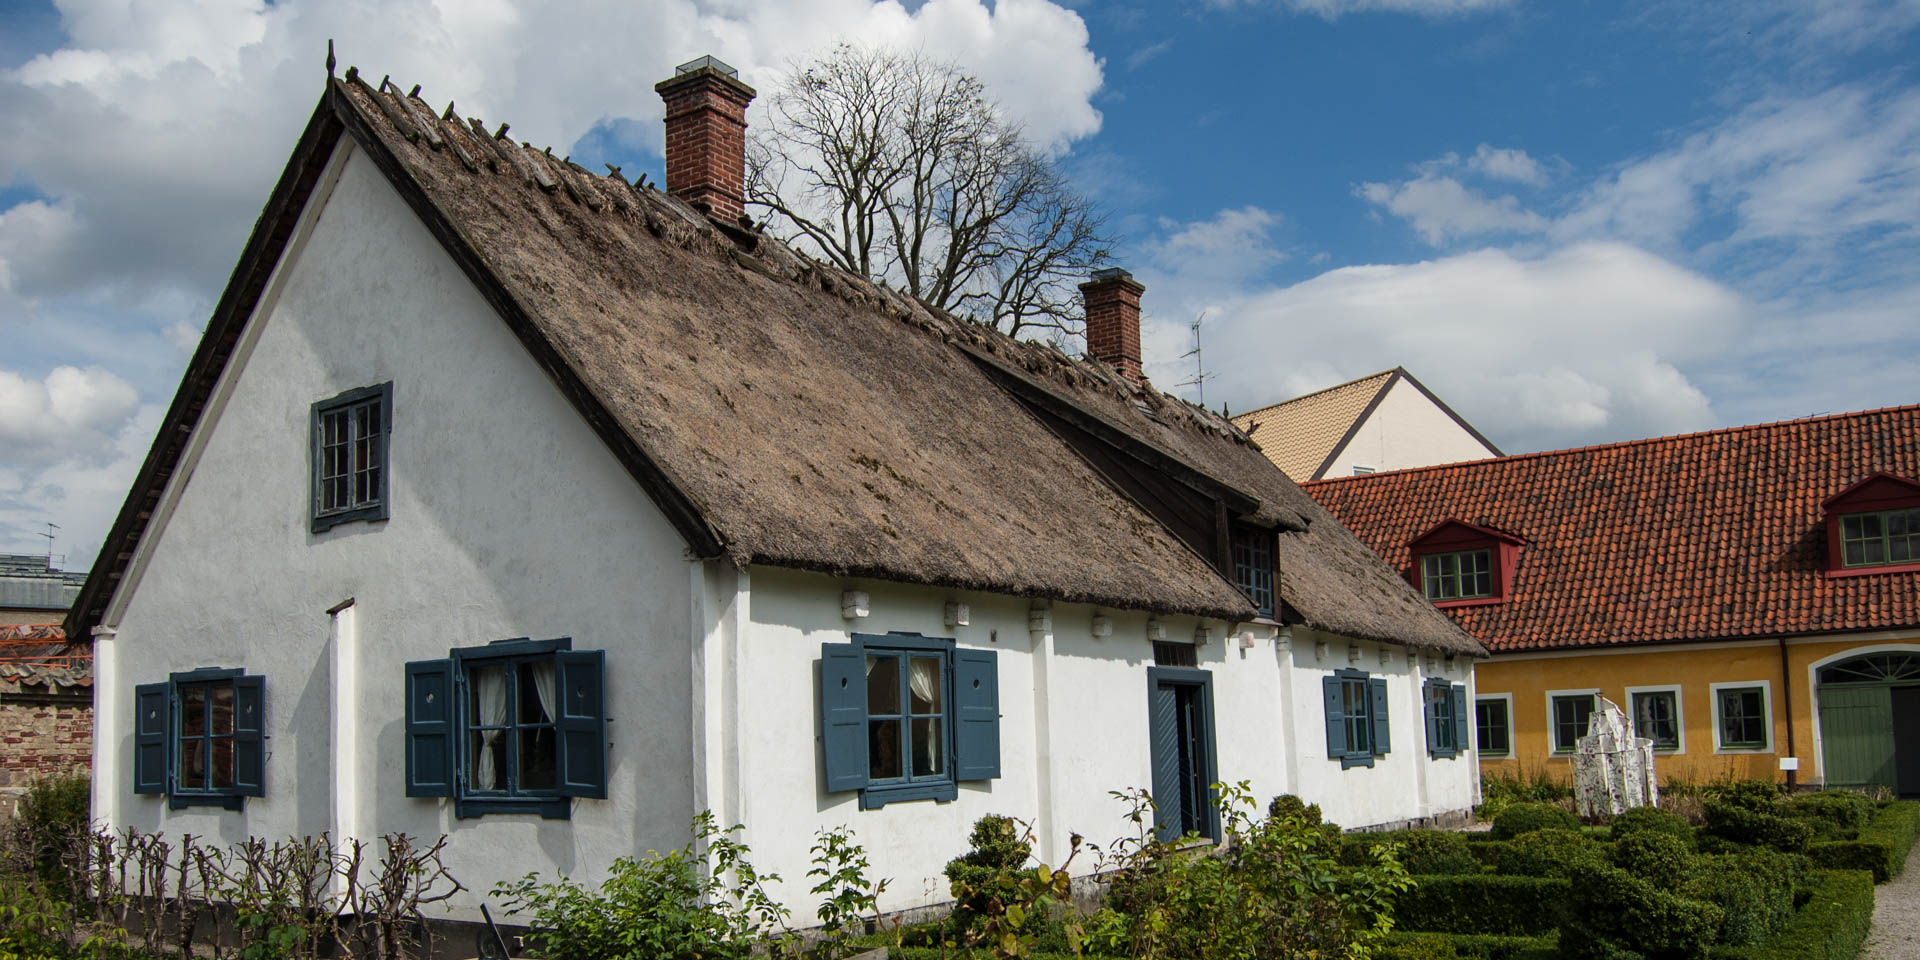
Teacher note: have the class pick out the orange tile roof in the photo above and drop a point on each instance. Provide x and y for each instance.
(1706, 536)
(1298, 434)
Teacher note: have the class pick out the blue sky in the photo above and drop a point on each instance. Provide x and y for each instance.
(1576, 221)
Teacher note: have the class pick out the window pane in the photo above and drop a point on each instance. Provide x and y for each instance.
(534, 685)
(929, 747)
(883, 685)
(487, 759)
(537, 767)
(220, 708)
(1856, 553)
(193, 710)
(222, 771)
(883, 748)
(1876, 551)
(487, 696)
(193, 764)
(923, 677)
(1850, 528)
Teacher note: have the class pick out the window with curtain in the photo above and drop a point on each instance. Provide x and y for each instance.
(906, 717)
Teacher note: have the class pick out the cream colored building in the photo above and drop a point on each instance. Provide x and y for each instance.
(1387, 421)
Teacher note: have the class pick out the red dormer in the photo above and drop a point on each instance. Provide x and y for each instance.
(1873, 527)
(1461, 564)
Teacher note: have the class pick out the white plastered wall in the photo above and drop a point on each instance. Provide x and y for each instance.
(509, 518)
(1406, 430)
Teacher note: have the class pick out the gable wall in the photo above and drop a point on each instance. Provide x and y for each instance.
(509, 518)
(1406, 430)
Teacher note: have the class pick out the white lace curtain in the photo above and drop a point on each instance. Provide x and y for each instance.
(923, 675)
(490, 699)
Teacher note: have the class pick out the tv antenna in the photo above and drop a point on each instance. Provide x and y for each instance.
(51, 527)
(1200, 375)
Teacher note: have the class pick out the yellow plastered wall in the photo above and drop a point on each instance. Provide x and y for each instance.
(1694, 668)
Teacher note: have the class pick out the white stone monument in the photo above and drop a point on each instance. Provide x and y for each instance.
(1612, 768)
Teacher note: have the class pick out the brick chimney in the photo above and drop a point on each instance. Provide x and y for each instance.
(1113, 320)
(707, 137)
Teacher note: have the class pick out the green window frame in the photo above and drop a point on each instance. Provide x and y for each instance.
(1740, 716)
(1880, 539)
(350, 444)
(1569, 716)
(1656, 716)
(1493, 726)
(1461, 575)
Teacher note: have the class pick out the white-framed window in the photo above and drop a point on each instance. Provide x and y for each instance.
(1493, 724)
(1658, 715)
(1567, 714)
(1742, 716)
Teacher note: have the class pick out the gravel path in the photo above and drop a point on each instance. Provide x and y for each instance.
(1896, 918)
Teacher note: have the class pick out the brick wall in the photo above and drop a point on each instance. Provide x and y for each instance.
(39, 739)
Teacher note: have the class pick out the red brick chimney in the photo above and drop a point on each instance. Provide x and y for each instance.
(707, 137)
(1113, 320)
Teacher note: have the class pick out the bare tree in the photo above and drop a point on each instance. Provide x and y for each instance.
(899, 168)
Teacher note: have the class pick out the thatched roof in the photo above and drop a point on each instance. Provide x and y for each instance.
(782, 412)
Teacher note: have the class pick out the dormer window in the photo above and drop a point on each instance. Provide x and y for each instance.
(1457, 563)
(1465, 575)
(1253, 566)
(1873, 527)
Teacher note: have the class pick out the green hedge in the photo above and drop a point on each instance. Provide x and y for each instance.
(1504, 906)
(1401, 945)
(1421, 851)
(1832, 926)
(1881, 847)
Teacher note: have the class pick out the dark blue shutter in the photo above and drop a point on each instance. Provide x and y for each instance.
(1336, 718)
(152, 716)
(1430, 709)
(843, 715)
(1382, 732)
(249, 736)
(1462, 725)
(580, 679)
(976, 703)
(1163, 733)
(430, 728)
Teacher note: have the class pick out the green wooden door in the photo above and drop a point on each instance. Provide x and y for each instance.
(1856, 735)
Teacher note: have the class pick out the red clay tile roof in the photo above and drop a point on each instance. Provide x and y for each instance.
(1706, 536)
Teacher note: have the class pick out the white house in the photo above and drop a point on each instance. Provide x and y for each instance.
(1387, 421)
(515, 503)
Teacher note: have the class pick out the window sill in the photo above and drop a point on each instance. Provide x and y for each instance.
(1762, 749)
(373, 513)
(1473, 602)
(873, 798)
(1868, 571)
(554, 808)
(1348, 763)
(181, 801)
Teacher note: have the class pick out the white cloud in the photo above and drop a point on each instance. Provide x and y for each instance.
(1233, 246)
(184, 335)
(1506, 164)
(1443, 209)
(72, 414)
(81, 491)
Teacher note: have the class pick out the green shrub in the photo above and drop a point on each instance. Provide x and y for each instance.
(1651, 820)
(1465, 946)
(1548, 853)
(1757, 795)
(1740, 821)
(1754, 891)
(50, 828)
(1833, 814)
(1881, 846)
(1831, 925)
(1505, 906)
(1661, 859)
(1421, 852)
(1618, 915)
(1522, 818)
(1000, 849)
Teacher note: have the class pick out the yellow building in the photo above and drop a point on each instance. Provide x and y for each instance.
(1750, 596)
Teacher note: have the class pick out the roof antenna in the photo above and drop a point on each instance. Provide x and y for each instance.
(330, 60)
(51, 527)
(1200, 374)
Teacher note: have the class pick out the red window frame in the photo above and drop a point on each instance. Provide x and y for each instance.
(1873, 493)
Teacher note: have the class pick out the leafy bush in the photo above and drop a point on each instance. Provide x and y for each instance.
(1754, 891)
(1651, 820)
(1522, 818)
(50, 827)
(1741, 821)
(1421, 852)
(1000, 848)
(1758, 795)
(1458, 946)
(1881, 846)
(1506, 906)
(1618, 915)
(1833, 814)
(1548, 853)
(1832, 925)
(674, 906)
(1661, 859)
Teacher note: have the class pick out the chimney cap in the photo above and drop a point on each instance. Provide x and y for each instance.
(1112, 273)
(1110, 278)
(706, 62)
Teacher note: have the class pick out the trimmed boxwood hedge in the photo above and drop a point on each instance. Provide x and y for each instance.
(1881, 846)
(1831, 926)
(1506, 906)
(1401, 945)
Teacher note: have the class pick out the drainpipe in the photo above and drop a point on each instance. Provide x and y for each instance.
(1786, 700)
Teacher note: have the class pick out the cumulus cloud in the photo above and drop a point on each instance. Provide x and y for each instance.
(80, 489)
(70, 414)
(1506, 164)
(1443, 209)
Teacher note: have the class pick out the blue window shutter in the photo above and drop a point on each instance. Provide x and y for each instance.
(1382, 732)
(843, 715)
(1431, 710)
(430, 728)
(581, 680)
(976, 703)
(249, 736)
(1462, 724)
(152, 717)
(1336, 718)
(1163, 734)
